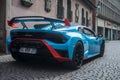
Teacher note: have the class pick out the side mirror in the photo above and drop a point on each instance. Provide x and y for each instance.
(99, 36)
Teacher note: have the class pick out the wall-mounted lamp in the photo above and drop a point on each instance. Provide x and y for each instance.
(27, 3)
(98, 5)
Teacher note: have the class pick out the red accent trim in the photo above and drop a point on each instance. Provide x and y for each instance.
(54, 53)
(12, 24)
(8, 22)
(67, 22)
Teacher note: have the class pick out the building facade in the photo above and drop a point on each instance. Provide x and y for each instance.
(108, 19)
(77, 11)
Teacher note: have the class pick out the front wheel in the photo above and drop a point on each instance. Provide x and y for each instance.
(77, 56)
(102, 49)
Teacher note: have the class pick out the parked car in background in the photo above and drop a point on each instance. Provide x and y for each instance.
(44, 38)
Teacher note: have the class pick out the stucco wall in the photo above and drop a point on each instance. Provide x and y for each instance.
(14, 8)
(38, 9)
(85, 7)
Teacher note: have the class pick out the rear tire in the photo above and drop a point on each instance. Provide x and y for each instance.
(77, 57)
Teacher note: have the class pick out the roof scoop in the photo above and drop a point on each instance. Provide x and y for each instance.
(67, 22)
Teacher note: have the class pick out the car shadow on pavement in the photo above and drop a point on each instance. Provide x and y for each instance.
(90, 59)
(46, 65)
(13, 69)
(53, 66)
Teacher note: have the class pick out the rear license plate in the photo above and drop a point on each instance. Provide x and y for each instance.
(28, 50)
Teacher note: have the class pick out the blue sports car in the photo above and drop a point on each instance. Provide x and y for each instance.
(44, 38)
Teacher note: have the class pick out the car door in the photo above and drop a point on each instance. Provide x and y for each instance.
(92, 40)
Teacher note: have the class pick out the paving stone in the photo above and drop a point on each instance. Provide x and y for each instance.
(104, 68)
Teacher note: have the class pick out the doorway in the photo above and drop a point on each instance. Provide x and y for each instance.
(108, 34)
(2, 26)
(100, 30)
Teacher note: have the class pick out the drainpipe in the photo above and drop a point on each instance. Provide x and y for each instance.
(8, 17)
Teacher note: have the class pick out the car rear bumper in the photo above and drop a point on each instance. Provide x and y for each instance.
(43, 49)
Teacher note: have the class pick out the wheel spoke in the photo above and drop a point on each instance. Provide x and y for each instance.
(102, 49)
(78, 55)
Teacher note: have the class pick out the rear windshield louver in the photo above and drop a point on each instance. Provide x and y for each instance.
(56, 38)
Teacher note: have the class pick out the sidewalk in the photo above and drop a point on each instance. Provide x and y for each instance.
(6, 58)
(2, 54)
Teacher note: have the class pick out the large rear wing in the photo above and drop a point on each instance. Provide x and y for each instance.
(32, 19)
(23, 19)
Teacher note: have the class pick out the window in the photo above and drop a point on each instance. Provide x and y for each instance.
(101, 8)
(60, 9)
(82, 12)
(104, 10)
(69, 11)
(87, 19)
(83, 18)
(59, 25)
(80, 29)
(88, 32)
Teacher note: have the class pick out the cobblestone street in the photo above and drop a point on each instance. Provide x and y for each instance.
(104, 68)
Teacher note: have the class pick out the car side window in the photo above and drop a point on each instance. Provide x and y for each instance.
(59, 25)
(88, 32)
(80, 29)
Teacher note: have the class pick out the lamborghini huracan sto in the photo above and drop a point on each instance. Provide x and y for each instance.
(44, 38)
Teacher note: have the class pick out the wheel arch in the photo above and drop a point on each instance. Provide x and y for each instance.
(72, 45)
(103, 41)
